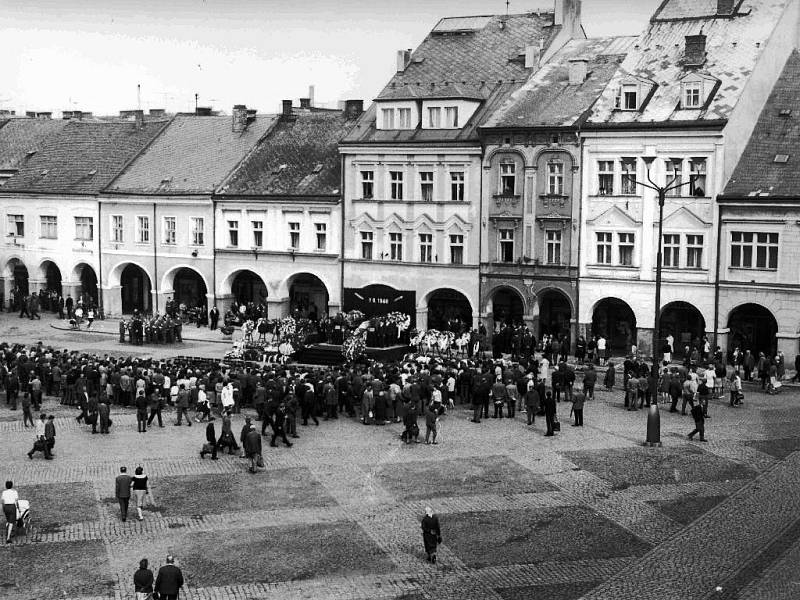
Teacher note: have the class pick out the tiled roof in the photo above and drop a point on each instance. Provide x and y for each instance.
(19, 137)
(84, 157)
(485, 63)
(193, 155)
(471, 63)
(548, 99)
(299, 157)
(687, 9)
(733, 47)
(776, 136)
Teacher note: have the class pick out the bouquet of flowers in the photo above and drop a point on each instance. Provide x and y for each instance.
(355, 345)
(288, 326)
(354, 318)
(399, 320)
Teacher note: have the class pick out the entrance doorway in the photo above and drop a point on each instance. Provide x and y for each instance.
(135, 290)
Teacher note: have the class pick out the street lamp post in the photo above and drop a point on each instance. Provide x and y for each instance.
(653, 417)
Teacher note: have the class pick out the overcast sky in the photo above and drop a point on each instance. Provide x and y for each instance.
(91, 54)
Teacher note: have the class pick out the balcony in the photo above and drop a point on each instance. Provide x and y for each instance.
(507, 201)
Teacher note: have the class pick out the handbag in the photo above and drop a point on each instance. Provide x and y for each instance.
(556, 425)
(260, 461)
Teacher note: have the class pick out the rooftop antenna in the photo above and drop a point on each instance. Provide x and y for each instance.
(139, 96)
(196, 98)
(508, 3)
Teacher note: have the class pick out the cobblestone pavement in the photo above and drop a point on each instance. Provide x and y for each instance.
(337, 516)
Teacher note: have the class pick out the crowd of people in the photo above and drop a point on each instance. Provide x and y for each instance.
(155, 329)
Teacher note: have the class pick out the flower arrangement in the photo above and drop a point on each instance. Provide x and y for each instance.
(355, 345)
(353, 318)
(399, 320)
(288, 326)
(226, 330)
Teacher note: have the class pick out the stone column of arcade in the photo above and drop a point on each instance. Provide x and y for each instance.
(36, 285)
(112, 300)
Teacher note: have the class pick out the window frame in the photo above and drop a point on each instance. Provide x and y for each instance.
(506, 245)
(628, 179)
(425, 247)
(605, 173)
(555, 179)
(458, 187)
(671, 249)
(49, 227)
(233, 233)
(698, 176)
(753, 248)
(16, 225)
(321, 235)
(694, 250)
(507, 173)
(434, 117)
(553, 246)
(626, 244)
(604, 246)
(396, 246)
(117, 229)
(89, 221)
(404, 118)
(294, 235)
(692, 90)
(367, 239)
(387, 118)
(198, 234)
(367, 183)
(169, 236)
(396, 183)
(257, 228)
(457, 247)
(427, 185)
(451, 117)
(143, 230)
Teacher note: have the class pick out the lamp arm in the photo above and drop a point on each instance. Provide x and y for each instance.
(692, 179)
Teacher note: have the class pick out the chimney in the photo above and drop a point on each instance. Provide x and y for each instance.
(578, 70)
(725, 7)
(532, 56)
(157, 112)
(695, 54)
(137, 116)
(305, 103)
(403, 60)
(35, 114)
(239, 118)
(203, 111)
(311, 91)
(353, 109)
(251, 115)
(567, 14)
(287, 109)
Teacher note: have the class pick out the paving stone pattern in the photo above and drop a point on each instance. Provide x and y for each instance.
(586, 514)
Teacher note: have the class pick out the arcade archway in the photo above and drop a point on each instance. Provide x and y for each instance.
(507, 307)
(18, 273)
(135, 291)
(449, 310)
(308, 297)
(248, 287)
(555, 313)
(614, 320)
(87, 277)
(753, 327)
(189, 288)
(52, 277)
(684, 323)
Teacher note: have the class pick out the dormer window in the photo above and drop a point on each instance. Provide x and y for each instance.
(630, 97)
(388, 118)
(434, 117)
(404, 118)
(692, 94)
(451, 116)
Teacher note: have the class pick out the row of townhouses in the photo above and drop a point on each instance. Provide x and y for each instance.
(511, 170)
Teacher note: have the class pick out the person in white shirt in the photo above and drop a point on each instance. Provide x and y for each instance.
(10, 500)
(202, 404)
(601, 349)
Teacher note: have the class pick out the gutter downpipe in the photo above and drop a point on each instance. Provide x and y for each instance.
(155, 257)
(100, 256)
(213, 250)
(716, 279)
(480, 236)
(580, 232)
(342, 234)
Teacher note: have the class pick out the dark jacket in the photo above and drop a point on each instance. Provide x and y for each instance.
(252, 443)
(143, 581)
(169, 580)
(122, 486)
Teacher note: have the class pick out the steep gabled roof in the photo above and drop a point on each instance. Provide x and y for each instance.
(770, 164)
(84, 157)
(194, 154)
(548, 99)
(21, 137)
(471, 58)
(734, 43)
(298, 157)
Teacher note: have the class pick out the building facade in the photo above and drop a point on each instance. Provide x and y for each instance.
(531, 189)
(51, 206)
(157, 216)
(759, 280)
(678, 112)
(278, 238)
(413, 166)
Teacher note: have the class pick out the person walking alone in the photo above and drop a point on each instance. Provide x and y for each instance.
(143, 581)
(699, 422)
(431, 534)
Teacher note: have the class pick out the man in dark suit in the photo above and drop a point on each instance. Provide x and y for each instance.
(213, 316)
(122, 490)
(169, 581)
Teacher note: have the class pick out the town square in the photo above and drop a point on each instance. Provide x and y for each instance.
(507, 313)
